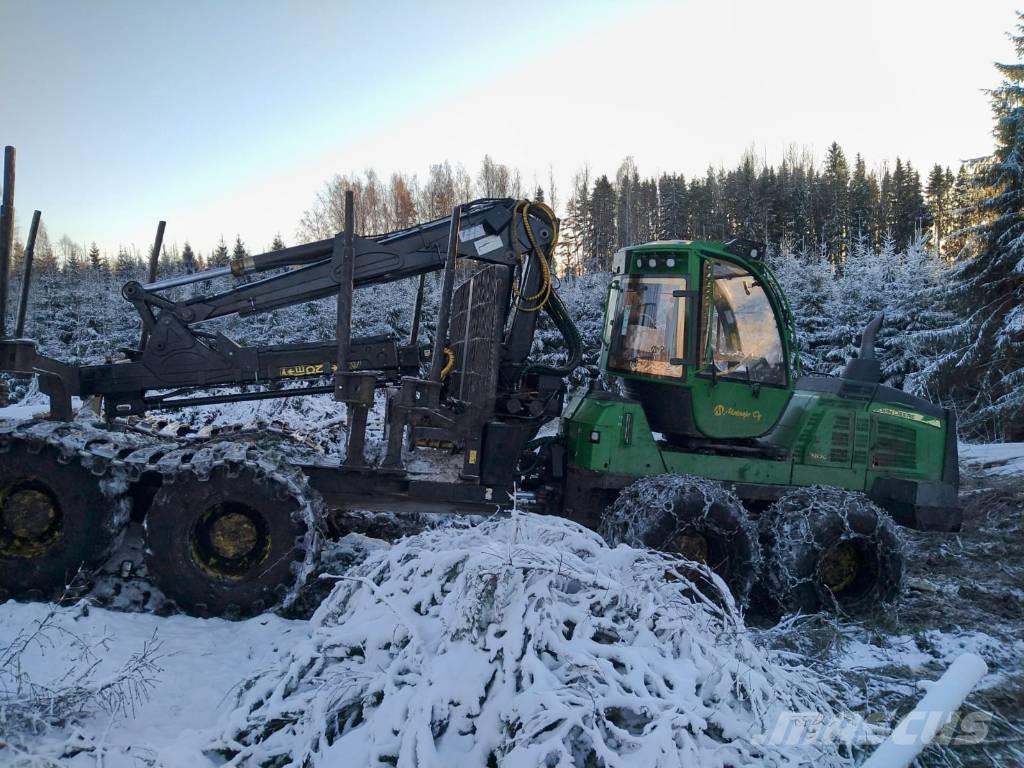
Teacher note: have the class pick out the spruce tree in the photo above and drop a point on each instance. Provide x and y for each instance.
(95, 260)
(910, 209)
(238, 253)
(984, 369)
(963, 215)
(937, 193)
(863, 202)
(188, 259)
(602, 211)
(125, 264)
(836, 200)
(219, 257)
(668, 208)
(278, 244)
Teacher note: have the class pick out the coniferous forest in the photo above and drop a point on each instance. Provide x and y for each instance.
(940, 250)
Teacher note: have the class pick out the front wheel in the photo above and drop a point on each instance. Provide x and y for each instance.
(692, 517)
(234, 539)
(830, 549)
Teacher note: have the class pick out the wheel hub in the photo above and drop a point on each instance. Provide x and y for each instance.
(229, 540)
(691, 545)
(839, 567)
(30, 521)
(233, 535)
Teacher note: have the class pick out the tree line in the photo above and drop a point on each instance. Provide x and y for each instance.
(797, 205)
(71, 258)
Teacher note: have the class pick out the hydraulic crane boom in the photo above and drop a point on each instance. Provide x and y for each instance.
(514, 238)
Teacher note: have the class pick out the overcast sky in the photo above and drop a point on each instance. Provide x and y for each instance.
(227, 117)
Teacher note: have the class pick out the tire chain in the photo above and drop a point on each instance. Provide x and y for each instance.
(120, 458)
(641, 504)
(791, 521)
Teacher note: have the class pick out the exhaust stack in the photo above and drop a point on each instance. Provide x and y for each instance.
(865, 367)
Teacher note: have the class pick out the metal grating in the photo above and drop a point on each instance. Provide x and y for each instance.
(861, 439)
(474, 337)
(895, 446)
(842, 435)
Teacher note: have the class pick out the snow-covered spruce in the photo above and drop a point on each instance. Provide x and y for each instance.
(525, 642)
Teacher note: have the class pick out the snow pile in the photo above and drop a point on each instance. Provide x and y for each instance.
(526, 642)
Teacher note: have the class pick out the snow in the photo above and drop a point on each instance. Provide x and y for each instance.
(523, 642)
(922, 653)
(526, 637)
(943, 699)
(201, 662)
(1004, 459)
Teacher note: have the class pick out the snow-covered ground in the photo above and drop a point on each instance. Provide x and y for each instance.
(993, 458)
(198, 665)
(387, 644)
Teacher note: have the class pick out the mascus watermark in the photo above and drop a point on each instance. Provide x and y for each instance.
(793, 729)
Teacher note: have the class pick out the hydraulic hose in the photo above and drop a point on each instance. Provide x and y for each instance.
(556, 310)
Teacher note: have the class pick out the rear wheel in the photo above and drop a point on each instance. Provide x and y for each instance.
(233, 541)
(830, 549)
(693, 517)
(58, 519)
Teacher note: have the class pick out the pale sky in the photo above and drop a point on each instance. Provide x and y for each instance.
(228, 117)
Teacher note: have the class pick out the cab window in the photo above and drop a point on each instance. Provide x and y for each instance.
(647, 330)
(739, 332)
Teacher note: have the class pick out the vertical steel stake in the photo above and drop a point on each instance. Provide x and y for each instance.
(444, 310)
(154, 263)
(26, 278)
(6, 235)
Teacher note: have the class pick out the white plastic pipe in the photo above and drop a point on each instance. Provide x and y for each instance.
(919, 727)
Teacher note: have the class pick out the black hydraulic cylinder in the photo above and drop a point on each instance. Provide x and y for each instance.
(26, 278)
(271, 394)
(6, 235)
(194, 277)
(437, 357)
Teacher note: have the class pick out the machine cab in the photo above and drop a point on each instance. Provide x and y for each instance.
(700, 334)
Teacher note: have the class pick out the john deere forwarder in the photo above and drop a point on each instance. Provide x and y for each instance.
(701, 435)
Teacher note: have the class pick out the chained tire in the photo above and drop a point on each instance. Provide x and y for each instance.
(829, 549)
(61, 515)
(691, 517)
(236, 537)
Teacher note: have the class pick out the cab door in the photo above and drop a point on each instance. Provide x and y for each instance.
(742, 383)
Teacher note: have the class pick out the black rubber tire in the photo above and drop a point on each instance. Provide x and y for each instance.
(654, 511)
(288, 514)
(91, 515)
(805, 524)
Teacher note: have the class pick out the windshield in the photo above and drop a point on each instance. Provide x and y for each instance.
(741, 336)
(647, 331)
